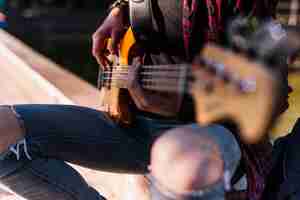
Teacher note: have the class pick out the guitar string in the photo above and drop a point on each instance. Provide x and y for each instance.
(176, 81)
(173, 66)
(177, 68)
(243, 85)
(166, 71)
(151, 80)
(113, 72)
(154, 76)
(181, 87)
(142, 75)
(161, 88)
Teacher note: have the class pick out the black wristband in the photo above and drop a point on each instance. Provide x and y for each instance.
(119, 4)
(124, 6)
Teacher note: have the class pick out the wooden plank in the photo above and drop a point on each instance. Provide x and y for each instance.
(21, 84)
(78, 90)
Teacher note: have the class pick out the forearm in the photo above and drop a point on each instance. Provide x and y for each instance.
(119, 3)
(122, 5)
(166, 104)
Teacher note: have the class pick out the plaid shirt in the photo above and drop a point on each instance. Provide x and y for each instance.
(256, 158)
(288, 11)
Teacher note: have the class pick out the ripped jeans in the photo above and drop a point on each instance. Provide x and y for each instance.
(36, 169)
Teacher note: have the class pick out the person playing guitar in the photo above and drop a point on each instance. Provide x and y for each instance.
(37, 140)
(183, 27)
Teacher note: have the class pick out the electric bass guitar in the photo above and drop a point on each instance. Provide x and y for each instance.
(224, 85)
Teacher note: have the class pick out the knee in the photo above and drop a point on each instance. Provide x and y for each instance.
(10, 128)
(183, 160)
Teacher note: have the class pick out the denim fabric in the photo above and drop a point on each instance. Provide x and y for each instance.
(231, 155)
(214, 192)
(283, 182)
(59, 133)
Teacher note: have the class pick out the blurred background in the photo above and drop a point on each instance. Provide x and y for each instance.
(59, 29)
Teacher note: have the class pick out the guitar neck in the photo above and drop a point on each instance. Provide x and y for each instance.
(176, 77)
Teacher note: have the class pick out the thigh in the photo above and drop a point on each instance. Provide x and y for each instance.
(47, 179)
(226, 141)
(230, 152)
(80, 135)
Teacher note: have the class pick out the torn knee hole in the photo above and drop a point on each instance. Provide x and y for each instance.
(12, 133)
(16, 149)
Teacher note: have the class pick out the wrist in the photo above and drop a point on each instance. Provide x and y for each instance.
(121, 4)
(116, 11)
(120, 7)
(136, 89)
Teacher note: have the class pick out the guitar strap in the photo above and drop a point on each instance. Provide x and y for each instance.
(141, 14)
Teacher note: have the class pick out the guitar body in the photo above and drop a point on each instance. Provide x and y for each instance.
(114, 100)
(224, 84)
